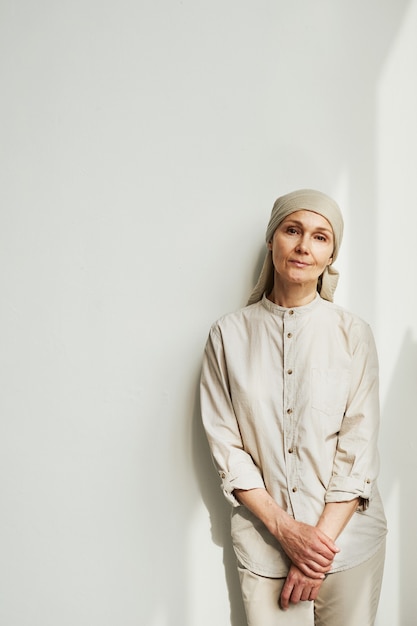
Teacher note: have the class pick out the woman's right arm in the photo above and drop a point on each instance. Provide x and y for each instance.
(307, 546)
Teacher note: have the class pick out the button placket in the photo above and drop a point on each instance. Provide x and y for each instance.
(289, 332)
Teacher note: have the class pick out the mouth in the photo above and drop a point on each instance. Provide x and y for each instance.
(299, 263)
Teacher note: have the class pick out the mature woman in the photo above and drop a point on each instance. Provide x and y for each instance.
(289, 397)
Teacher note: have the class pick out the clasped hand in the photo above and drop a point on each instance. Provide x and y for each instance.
(311, 552)
(308, 548)
(299, 587)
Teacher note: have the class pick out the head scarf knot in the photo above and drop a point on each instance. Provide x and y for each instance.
(307, 200)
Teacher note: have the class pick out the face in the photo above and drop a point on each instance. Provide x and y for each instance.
(302, 247)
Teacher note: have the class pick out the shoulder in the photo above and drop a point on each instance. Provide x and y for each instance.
(348, 322)
(240, 316)
(239, 320)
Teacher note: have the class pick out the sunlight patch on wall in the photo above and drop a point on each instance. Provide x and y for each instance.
(396, 173)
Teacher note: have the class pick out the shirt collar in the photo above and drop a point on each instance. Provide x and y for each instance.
(276, 309)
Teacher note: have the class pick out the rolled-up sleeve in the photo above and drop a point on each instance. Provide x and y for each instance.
(235, 466)
(356, 462)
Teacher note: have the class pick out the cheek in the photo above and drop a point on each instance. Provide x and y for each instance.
(278, 253)
(324, 256)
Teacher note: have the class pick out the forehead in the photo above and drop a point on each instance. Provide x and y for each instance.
(308, 218)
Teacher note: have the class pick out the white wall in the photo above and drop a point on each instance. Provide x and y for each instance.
(143, 145)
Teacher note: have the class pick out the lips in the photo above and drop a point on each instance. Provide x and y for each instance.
(299, 263)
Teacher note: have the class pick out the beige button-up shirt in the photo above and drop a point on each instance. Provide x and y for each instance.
(290, 402)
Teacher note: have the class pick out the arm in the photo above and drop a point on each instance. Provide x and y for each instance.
(336, 516)
(356, 463)
(308, 547)
(333, 520)
(235, 466)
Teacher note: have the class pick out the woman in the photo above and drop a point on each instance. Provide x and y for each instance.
(289, 396)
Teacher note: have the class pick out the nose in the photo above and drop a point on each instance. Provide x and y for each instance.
(302, 245)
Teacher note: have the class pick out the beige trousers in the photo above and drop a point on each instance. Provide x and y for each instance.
(348, 598)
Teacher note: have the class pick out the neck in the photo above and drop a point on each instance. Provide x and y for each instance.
(290, 296)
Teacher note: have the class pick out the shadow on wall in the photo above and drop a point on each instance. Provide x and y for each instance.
(399, 468)
(219, 511)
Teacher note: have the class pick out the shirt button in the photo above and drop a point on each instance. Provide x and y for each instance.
(289, 335)
(368, 480)
(223, 475)
(289, 411)
(289, 372)
(294, 489)
(290, 450)
(291, 312)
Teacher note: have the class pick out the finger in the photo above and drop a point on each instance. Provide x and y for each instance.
(314, 593)
(296, 594)
(319, 565)
(326, 551)
(321, 569)
(329, 544)
(312, 573)
(306, 593)
(318, 553)
(285, 595)
(322, 553)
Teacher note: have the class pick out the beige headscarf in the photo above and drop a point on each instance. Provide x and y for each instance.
(309, 200)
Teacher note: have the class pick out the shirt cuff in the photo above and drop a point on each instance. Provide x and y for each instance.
(246, 479)
(346, 488)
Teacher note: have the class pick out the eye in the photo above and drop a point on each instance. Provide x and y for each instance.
(292, 230)
(321, 237)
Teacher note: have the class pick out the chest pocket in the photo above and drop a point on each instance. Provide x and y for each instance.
(329, 390)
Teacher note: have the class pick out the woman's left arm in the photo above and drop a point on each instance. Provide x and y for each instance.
(335, 517)
(356, 463)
